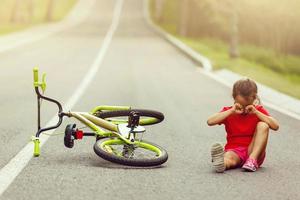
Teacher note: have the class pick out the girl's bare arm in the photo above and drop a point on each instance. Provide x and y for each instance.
(272, 122)
(219, 117)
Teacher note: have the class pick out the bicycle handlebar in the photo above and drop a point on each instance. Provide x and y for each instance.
(42, 84)
(35, 76)
(36, 82)
(40, 96)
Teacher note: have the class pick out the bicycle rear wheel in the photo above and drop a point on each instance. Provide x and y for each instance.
(141, 153)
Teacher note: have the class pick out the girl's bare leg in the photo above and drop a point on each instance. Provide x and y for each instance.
(259, 142)
(231, 160)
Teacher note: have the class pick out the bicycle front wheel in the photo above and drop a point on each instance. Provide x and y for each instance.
(141, 153)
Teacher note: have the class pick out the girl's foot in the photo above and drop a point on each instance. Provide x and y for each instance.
(217, 155)
(250, 165)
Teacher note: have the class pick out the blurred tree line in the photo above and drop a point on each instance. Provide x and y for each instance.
(272, 24)
(28, 12)
(19, 14)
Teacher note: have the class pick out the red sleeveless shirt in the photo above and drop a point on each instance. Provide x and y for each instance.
(240, 128)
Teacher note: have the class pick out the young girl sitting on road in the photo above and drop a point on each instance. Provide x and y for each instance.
(247, 124)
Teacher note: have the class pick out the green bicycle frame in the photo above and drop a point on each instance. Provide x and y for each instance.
(89, 119)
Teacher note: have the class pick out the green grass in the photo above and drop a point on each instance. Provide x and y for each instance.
(217, 52)
(60, 10)
(8, 28)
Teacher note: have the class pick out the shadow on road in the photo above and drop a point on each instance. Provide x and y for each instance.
(90, 160)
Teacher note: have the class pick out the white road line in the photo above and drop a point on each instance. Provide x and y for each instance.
(14, 167)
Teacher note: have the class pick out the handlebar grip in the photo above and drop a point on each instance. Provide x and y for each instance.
(36, 75)
(36, 151)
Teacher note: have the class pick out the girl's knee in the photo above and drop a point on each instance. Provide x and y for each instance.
(231, 161)
(262, 126)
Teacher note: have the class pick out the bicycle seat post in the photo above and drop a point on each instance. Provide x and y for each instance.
(133, 120)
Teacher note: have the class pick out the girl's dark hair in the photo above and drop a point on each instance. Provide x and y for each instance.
(246, 88)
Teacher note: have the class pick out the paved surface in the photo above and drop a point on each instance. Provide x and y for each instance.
(143, 70)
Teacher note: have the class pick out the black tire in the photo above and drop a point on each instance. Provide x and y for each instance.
(123, 113)
(155, 161)
(69, 138)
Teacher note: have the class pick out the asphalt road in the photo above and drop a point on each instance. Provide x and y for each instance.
(142, 70)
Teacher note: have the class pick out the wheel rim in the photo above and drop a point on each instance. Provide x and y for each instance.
(139, 150)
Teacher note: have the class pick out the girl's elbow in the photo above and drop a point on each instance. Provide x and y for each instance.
(209, 123)
(275, 127)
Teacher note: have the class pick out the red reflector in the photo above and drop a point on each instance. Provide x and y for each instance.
(79, 134)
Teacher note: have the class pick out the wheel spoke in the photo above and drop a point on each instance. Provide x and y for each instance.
(129, 151)
(140, 153)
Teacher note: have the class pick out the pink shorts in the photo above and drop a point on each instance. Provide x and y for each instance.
(242, 152)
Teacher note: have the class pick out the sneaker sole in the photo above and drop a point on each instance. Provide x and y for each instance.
(217, 155)
(248, 169)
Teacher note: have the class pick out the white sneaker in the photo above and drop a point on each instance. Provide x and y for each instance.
(217, 157)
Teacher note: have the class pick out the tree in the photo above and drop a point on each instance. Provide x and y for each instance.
(159, 7)
(230, 9)
(30, 10)
(49, 14)
(14, 13)
(234, 40)
(183, 21)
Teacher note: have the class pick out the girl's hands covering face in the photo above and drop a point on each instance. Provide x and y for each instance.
(238, 108)
(250, 109)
